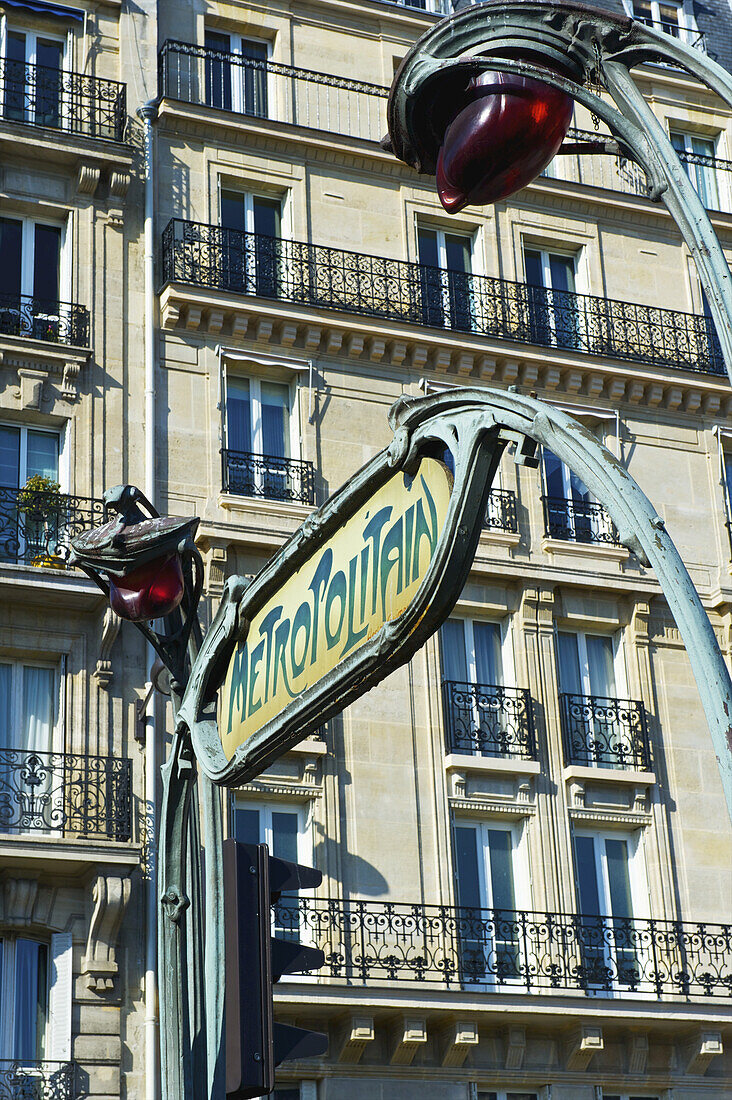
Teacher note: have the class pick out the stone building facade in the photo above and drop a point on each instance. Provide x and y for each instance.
(525, 847)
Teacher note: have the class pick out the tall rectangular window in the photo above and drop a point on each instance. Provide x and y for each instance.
(24, 980)
(236, 73)
(611, 943)
(282, 828)
(30, 278)
(571, 512)
(251, 255)
(554, 312)
(258, 439)
(32, 86)
(698, 155)
(445, 275)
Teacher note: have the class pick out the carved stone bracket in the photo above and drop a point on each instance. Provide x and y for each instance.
(87, 179)
(30, 387)
(109, 898)
(110, 629)
(582, 1045)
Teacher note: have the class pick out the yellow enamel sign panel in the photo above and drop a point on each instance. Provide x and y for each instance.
(366, 575)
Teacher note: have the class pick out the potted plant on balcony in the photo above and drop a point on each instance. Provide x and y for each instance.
(39, 502)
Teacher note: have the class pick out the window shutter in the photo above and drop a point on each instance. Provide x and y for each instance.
(59, 1001)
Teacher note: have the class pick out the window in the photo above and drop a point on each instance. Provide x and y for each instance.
(570, 511)
(501, 1094)
(472, 651)
(236, 73)
(589, 664)
(553, 308)
(25, 452)
(676, 19)
(31, 88)
(627, 1096)
(30, 278)
(698, 155)
(485, 864)
(31, 779)
(606, 866)
(445, 275)
(251, 255)
(35, 999)
(282, 828)
(258, 442)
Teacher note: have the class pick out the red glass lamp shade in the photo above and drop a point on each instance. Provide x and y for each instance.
(501, 140)
(151, 591)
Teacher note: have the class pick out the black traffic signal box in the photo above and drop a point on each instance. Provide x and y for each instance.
(255, 1044)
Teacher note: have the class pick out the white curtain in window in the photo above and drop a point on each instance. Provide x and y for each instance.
(30, 1000)
(6, 680)
(37, 724)
(452, 644)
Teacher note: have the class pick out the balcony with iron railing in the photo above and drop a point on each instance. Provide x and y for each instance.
(72, 102)
(67, 795)
(488, 720)
(230, 261)
(25, 316)
(603, 732)
(578, 521)
(502, 951)
(36, 527)
(253, 475)
(500, 512)
(23, 1079)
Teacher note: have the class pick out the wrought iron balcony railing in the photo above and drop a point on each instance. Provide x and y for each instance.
(500, 511)
(578, 521)
(39, 319)
(56, 792)
(266, 89)
(36, 528)
(511, 951)
(252, 475)
(608, 733)
(222, 259)
(72, 102)
(488, 720)
(32, 1080)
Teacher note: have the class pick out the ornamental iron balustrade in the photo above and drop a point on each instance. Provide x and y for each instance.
(500, 511)
(33, 1080)
(578, 521)
(40, 319)
(376, 942)
(222, 259)
(266, 89)
(36, 527)
(57, 792)
(609, 733)
(252, 475)
(488, 720)
(73, 102)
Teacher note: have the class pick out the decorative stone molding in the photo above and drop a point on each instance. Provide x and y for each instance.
(602, 817)
(488, 806)
(515, 1047)
(408, 1035)
(456, 1042)
(216, 570)
(704, 1046)
(581, 1046)
(637, 1055)
(353, 1037)
(111, 624)
(30, 387)
(70, 380)
(20, 899)
(119, 183)
(279, 789)
(87, 179)
(109, 898)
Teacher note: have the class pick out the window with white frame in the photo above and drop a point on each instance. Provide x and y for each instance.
(30, 731)
(251, 255)
(674, 17)
(629, 1096)
(570, 510)
(35, 998)
(283, 827)
(31, 86)
(590, 664)
(698, 155)
(32, 277)
(551, 284)
(610, 886)
(236, 73)
(262, 440)
(27, 453)
(505, 1094)
(446, 265)
(490, 875)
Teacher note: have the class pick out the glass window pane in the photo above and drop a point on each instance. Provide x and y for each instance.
(601, 665)
(570, 676)
(255, 83)
(30, 999)
(238, 415)
(561, 269)
(10, 457)
(267, 216)
(275, 426)
(46, 262)
(589, 897)
(42, 454)
(284, 834)
(246, 826)
(15, 47)
(488, 663)
(427, 245)
(36, 724)
(218, 73)
(452, 648)
(580, 492)
(553, 475)
(233, 210)
(457, 251)
(533, 266)
(466, 861)
(616, 852)
(500, 854)
(49, 54)
(678, 141)
(11, 234)
(6, 732)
